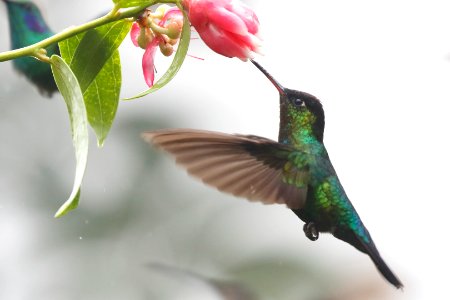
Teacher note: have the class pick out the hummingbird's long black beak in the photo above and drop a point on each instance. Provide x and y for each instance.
(279, 87)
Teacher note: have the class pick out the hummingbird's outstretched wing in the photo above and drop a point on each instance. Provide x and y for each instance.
(252, 167)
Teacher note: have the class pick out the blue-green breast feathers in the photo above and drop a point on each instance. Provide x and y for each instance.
(27, 26)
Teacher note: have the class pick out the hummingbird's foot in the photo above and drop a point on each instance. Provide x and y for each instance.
(311, 231)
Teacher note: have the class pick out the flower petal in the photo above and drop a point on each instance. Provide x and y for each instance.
(227, 20)
(224, 43)
(148, 62)
(228, 27)
(251, 41)
(246, 14)
(197, 12)
(134, 33)
(171, 13)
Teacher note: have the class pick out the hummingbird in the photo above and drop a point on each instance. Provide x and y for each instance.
(27, 26)
(295, 171)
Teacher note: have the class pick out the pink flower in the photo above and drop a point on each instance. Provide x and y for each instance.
(151, 30)
(228, 27)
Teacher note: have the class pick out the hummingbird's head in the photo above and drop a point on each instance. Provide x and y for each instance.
(25, 16)
(301, 114)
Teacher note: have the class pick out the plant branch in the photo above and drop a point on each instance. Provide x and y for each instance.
(115, 14)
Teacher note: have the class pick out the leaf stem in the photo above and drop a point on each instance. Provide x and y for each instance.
(117, 13)
(41, 54)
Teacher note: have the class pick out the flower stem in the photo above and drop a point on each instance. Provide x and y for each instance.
(158, 29)
(117, 13)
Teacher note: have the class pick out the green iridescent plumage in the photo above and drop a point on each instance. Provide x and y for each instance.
(327, 208)
(295, 171)
(27, 26)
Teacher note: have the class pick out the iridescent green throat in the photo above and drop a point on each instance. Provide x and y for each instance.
(297, 126)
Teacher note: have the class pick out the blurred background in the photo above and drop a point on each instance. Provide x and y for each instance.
(146, 230)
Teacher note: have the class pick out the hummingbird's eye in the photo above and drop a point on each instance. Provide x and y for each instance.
(298, 102)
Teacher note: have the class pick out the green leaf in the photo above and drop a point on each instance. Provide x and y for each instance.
(176, 63)
(68, 47)
(102, 97)
(132, 3)
(94, 59)
(70, 89)
(94, 49)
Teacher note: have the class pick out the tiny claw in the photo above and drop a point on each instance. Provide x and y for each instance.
(311, 231)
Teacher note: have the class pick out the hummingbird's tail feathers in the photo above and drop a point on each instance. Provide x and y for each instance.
(384, 269)
(370, 249)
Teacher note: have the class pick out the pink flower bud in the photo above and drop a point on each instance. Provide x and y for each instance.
(166, 48)
(174, 29)
(145, 37)
(228, 27)
(170, 18)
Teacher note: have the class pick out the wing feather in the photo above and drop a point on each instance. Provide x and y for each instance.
(246, 166)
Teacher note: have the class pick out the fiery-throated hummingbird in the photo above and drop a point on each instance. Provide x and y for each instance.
(26, 27)
(295, 171)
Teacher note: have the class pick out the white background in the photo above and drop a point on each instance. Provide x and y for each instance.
(382, 71)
